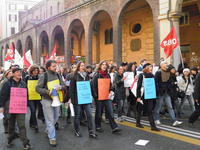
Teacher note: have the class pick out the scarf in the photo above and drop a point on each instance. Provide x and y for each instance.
(104, 73)
(165, 75)
(83, 74)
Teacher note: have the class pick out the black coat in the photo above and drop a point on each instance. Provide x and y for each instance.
(5, 91)
(197, 88)
(119, 87)
(162, 87)
(73, 88)
(173, 87)
(95, 78)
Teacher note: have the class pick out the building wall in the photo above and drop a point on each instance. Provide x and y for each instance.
(190, 34)
(145, 35)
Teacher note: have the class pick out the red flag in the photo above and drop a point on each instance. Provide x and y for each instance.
(170, 42)
(46, 58)
(27, 58)
(53, 54)
(10, 53)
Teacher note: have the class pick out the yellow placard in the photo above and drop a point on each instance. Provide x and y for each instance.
(52, 84)
(32, 94)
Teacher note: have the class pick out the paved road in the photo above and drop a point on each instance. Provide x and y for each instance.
(164, 140)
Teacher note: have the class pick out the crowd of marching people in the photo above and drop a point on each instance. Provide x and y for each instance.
(130, 89)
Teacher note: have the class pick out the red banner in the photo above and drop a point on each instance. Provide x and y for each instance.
(170, 42)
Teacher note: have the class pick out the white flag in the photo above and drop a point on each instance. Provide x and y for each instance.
(18, 59)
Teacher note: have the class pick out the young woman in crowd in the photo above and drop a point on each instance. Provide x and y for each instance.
(80, 75)
(119, 91)
(185, 84)
(131, 99)
(32, 102)
(102, 73)
(141, 101)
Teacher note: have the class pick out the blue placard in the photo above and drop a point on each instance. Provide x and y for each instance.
(84, 92)
(149, 88)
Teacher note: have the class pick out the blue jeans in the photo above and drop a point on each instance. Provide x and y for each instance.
(51, 115)
(78, 109)
(159, 103)
(109, 109)
(33, 108)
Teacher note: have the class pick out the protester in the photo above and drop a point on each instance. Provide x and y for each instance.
(185, 84)
(119, 91)
(81, 75)
(33, 98)
(14, 81)
(195, 115)
(162, 79)
(48, 82)
(6, 77)
(141, 101)
(102, 73)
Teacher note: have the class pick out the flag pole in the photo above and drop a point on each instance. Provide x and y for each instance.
(179, 49)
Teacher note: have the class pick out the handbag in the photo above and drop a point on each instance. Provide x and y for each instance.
(181, 94)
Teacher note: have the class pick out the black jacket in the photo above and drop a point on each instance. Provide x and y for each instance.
(95, 78)
(197, 88)
(173, 87)
(140, 83)
(5, 91)
(119, 87)
(72, 88)
(162, 87)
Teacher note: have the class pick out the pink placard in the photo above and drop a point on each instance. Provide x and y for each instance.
(18, 101)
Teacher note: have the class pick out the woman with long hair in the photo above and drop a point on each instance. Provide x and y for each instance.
(33, 103)
(80, 75)
(102, 73)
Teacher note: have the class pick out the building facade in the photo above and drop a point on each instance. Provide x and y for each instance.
(9, 15)
(120, 30)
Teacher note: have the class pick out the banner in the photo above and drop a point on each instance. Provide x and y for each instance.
(149, 88)
(170, 42)
(52, 84)
(103, 88)
(18, 59)
(84, 92)
(18, 101)
(32, 94)
(129, 79)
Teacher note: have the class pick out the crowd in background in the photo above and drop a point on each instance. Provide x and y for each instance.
(174, 87)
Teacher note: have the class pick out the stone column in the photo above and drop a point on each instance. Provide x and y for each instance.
(117, 41)
(177, 56)
(68, 51)
(88, 45)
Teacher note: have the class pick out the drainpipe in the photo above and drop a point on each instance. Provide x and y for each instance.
(168, 14)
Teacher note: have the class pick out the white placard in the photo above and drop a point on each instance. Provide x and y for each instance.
(129, 79)
(142, 142)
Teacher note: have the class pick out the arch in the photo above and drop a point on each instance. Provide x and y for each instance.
(19, 47)
(131, 15)
(58, 40)
(29, 44)
(43, 46)
(76, 39)
(99, 49)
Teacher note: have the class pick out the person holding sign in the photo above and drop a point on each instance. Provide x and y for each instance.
(146, 83)
(101, 88)
(81, 98)
(33, 97)
(14, 92)
(47, 82)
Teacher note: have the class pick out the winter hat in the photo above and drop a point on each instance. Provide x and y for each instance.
(16, 69)
(186, 70)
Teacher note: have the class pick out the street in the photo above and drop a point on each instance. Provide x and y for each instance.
(170, 138)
